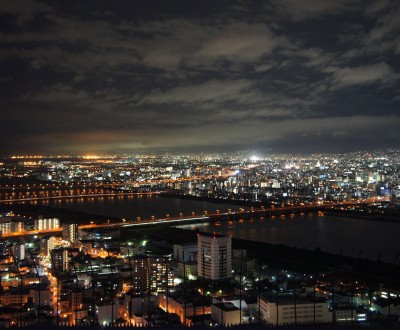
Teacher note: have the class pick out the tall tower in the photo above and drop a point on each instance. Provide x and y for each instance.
(214, 256)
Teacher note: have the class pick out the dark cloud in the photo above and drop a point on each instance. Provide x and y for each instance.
(295, 75)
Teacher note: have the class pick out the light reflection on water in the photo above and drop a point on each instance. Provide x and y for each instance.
(332, 234)
(349, 236)
(144, 206)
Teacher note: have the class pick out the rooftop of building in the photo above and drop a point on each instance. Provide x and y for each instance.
(291, 300)
(187, 244)
(384, 302)
(226, 306)
(211, 235)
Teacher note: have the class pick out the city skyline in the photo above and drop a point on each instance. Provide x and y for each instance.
(283, 76)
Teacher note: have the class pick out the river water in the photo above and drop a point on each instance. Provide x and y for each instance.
(349, 236)
(144, 206)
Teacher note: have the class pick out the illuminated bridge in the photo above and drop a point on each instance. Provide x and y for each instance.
(217, 216)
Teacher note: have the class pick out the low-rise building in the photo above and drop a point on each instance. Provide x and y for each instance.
(286, 310)
(139, 303)
(184, 308)
(225, 314)
(387, 306)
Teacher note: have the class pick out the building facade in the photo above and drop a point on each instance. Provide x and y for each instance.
(286, 310)
(70, 232)
(46, 224)
(214, 256)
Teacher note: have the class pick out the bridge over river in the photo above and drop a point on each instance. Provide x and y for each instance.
(252, 213)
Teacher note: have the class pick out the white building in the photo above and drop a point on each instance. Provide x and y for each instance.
(5, 227)
(46, 224)
(214, 256)
(387, 306)
(349, 314)
(284, 311)
(185, 252)
(225, 314)
(106, 313)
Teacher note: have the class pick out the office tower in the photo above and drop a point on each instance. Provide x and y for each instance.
(215, 256)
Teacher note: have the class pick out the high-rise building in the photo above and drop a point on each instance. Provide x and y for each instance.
(150, 272)
(18, 252)
(47, 244)
(214, 256)
(60, 259)
(70, 232)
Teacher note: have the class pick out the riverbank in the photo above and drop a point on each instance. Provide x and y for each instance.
(393, 217)
(65, 215)
(276, 256)
(308, 261)
(214, 200)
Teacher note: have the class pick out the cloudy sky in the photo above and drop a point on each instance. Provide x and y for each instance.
(130, 76)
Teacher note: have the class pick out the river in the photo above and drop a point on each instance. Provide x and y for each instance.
(349, 236)
(143, 206)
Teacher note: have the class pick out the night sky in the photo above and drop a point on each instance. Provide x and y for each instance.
(168, 76)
